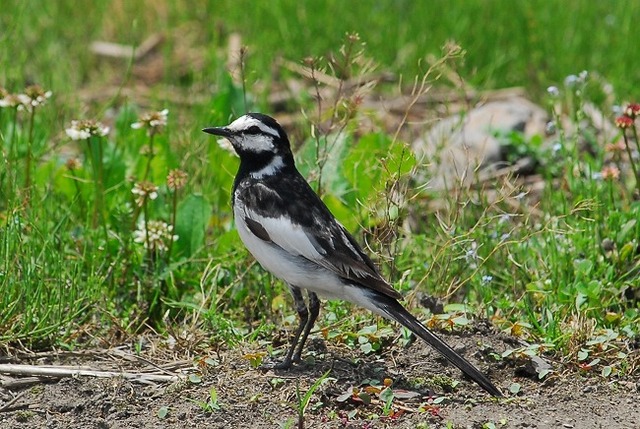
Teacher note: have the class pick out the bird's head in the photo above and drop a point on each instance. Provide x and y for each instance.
(255, 135)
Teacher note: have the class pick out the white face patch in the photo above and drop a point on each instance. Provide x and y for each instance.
(270, 169)
(253, 142)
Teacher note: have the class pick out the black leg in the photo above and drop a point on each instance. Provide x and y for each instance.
(303, 314)
(314, 311)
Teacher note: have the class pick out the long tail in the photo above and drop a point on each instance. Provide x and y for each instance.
(397, 312)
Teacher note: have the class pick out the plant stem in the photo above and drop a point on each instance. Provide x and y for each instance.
(613, 201)
(150, 155)
(11, 175)
(174, 215)
(316, 128)
(12, 147)
(100, 189)
(145, 210)
(27, 182)
(96, 161)
(631, 160)
(243, 53)
(79, 194)
(633, 166)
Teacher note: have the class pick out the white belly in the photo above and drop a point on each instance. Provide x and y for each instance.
(298, 271)
(294, 270)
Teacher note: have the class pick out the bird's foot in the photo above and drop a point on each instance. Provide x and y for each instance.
(285, 364)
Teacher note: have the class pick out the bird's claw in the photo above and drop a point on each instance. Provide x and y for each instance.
(283, 365)
(286, 363)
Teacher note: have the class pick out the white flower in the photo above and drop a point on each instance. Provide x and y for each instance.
(84, 129)
(154, 234)
(10, 100)
(76, 134)
(7, 99)
(571, 80)
(582, 76)
(487, 279)
(153, 121)
(144, 191)
(472, 253)
(553, 91)
(33, 96)
(160, 119)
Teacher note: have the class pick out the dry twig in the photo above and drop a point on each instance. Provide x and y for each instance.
(68, 371)
(117, 50)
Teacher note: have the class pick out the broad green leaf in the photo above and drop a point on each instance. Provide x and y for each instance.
(223, 168)
(461, 321)
(163, 412)
(387, 395)
(366, 348)
(583, 267)
(594, 362)
(115, 171)
(455, 308)
(365, 397)
(626, 230)
(332, 150)
(627, 251)
(65, 183)
(368, 330)
(345, 214)
(191, 220)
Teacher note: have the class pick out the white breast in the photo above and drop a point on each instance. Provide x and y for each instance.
(299, 271)
(292, 269)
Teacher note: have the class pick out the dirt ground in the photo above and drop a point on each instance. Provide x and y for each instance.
(253, 398)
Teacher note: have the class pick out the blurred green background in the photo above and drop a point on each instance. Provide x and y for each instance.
(534, 43)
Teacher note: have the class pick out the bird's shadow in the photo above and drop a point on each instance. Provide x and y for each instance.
(348, 367)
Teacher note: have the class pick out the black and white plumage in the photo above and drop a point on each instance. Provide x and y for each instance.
(292, 234)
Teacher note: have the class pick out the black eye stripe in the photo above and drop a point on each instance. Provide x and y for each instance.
(253, 130)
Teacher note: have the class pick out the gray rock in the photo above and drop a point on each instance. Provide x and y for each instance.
(458, 146)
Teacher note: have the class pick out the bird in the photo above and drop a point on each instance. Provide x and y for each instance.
(292, 234)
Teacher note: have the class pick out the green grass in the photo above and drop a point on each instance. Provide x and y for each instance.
(70, 261)
(529, 43)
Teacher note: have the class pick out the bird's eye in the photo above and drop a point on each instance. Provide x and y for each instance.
(253, 130)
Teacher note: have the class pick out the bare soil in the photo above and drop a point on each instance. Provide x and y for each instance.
(253, 398)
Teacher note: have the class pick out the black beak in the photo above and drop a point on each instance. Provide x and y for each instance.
(218, 131)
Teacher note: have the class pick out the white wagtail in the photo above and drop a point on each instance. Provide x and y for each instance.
(292, 234)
